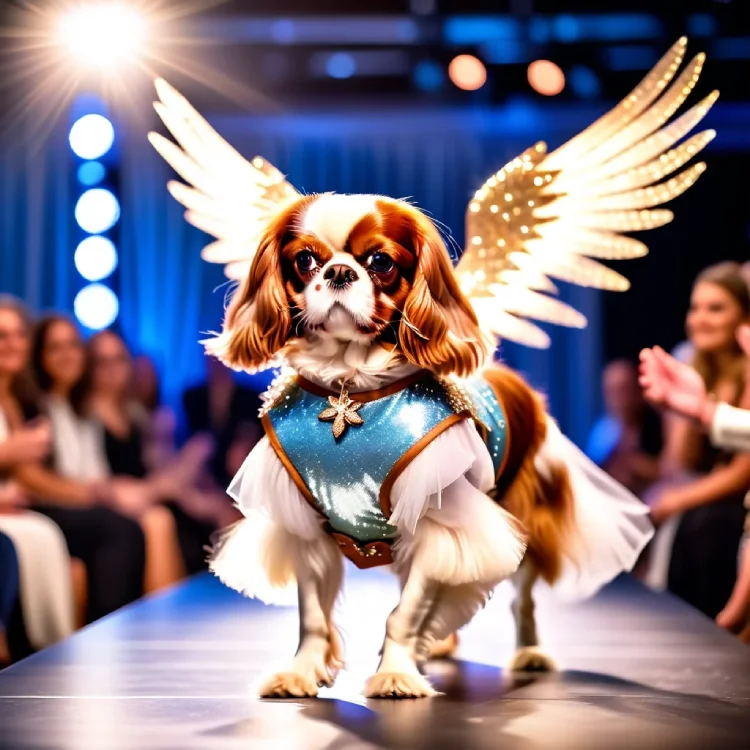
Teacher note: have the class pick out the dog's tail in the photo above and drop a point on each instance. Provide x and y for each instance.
(534, 487)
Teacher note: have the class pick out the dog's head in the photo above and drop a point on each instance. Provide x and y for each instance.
(356, 268)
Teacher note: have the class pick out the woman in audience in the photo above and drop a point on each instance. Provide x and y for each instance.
(126, 429)
(45, 570)
(79, 455)
(110, 545)
(705, 496)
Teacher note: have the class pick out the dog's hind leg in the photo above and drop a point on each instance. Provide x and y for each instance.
(318, 566)
(528, 656)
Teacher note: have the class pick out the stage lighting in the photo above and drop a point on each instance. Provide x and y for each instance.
(584, 82)
(97, 210)
(467, 72)
(96, 258)
(96, 306)
(546, 78)
(341, 65)
(91, 173)
(428, 75)
(91, 136)
(102, 35)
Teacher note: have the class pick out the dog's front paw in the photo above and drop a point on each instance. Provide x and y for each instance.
(392, 685)
(303, 680)
(289, 685)
(531, 659)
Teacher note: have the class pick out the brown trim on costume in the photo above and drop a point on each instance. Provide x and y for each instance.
(288, 465)
(508, 433)
(411, 454)
(365, 396)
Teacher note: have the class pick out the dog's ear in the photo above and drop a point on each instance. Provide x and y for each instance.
(258, 321)
(439, 329)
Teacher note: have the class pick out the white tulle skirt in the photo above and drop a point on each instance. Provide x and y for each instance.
(612, 526)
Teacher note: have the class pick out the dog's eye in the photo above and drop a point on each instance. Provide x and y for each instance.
(380, 263)
(305, 261)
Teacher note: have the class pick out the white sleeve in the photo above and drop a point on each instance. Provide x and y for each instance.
(264, 485)
(730, 428)
(457, 452)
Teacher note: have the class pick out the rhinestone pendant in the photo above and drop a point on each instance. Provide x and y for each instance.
(342, 411)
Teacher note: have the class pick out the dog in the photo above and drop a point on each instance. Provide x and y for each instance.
(395, 440)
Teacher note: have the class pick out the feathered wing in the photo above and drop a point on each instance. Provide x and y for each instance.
(231, 198)
(547, 215)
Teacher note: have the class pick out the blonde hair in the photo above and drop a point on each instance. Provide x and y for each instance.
(732, 278)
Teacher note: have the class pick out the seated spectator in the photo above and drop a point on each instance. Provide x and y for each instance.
(126, 435)
(700, 505)
(110, 545)
(203, 499)
(79, 455)
(228, 412)
(626, 441)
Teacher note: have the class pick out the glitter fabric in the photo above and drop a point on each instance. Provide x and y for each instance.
(345, 476)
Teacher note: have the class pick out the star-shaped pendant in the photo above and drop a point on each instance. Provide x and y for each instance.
(342, 412)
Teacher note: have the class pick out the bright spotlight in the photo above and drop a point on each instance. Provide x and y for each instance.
(467, 72)
(96, 258)
(546, 78)
(91, 136)
(96, 306)
(101, 36)
(97, 210)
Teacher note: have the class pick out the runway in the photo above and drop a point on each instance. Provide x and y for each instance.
(176, 672)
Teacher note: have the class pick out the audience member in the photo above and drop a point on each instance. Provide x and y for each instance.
(126, 429)
(702, 502)
(674, 385)
(626, 441)
(228, 412)
(110, 546)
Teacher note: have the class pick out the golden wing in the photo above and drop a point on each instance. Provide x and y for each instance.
(231, 198)
(547, 215)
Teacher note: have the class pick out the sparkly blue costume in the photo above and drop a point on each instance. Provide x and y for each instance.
(349, 479)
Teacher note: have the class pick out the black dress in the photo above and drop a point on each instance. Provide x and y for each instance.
(703, 567)
(126, 458)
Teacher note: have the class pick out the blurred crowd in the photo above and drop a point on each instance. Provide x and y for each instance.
(695, 491)
(105, 493)
(104, 497)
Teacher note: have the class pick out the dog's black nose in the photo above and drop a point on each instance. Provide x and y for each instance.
(340, 275)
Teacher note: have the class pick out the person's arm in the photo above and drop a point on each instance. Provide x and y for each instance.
(45, 485)
(680, 444)
(729, 428)
(732, 479)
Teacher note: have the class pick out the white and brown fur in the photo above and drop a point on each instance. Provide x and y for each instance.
(384, 327)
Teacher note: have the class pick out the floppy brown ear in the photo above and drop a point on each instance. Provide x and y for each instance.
(439, 329)
(258, 320)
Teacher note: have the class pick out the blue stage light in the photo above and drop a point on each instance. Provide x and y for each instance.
(567, 28)
(584, 82)
(429, 75)
(341, 65)
(91, 136)
(96, 258)
(97, 210)
(96, 307)
(91, 173)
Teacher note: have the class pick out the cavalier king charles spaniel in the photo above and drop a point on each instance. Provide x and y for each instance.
(357, 295)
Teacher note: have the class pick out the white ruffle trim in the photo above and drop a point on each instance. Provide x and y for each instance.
(612, 526)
